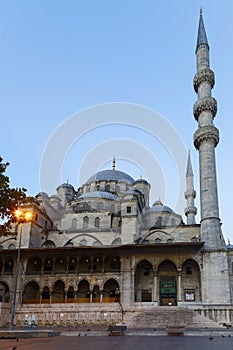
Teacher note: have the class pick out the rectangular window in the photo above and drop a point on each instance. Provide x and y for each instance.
(189, 295)
(128, 210)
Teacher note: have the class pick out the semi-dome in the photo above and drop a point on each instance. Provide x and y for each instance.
(99, 194)
(111, 175)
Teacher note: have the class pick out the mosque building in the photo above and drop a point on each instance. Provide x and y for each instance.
(101, 254)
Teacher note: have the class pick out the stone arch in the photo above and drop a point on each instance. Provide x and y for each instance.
(191, 281)
(143, 282)
(34, 266)
(48, 244)
(167, 286)
(111, 291)
(83, 293)
(4, 292)
(58, 293)
(157, 234)
(31, 293)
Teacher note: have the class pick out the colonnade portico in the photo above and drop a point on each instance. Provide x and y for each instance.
(167, 285)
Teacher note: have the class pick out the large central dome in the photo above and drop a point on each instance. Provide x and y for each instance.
(108, 175)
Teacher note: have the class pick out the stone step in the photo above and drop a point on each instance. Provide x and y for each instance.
(166, 317)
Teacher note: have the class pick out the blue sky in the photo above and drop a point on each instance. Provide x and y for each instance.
(62, 57)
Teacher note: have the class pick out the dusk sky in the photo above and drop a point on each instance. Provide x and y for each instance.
(133, 60)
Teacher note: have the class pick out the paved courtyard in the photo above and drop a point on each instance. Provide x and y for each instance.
(119, 343)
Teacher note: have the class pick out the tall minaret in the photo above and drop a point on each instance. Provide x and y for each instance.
(190, 194)
(206, 139)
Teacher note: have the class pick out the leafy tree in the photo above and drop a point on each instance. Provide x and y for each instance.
(10, 199)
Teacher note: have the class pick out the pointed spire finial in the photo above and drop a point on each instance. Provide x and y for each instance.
(113, 163)
(201, 37)
(189, 171)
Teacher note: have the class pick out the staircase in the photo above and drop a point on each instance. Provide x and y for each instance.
(160, 317)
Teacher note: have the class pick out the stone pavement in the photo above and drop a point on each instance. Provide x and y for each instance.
(119, 343)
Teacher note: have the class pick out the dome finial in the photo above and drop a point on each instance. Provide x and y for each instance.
(201, 10)
(113, 163)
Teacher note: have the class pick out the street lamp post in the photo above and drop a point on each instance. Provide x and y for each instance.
(21, 217)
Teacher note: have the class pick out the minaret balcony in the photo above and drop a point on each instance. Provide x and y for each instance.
(206, 134)
(205, 75)
(205, 104)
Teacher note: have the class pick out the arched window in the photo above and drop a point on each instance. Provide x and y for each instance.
(118, 188)
(97, 222)
(157, 240)
(83, 242)
(97, 187)
(11, 246)
(100, 206)
(85, 222)
(74, 223)
(107, 188)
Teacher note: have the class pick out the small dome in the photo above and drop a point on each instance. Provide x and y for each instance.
(141, 180)
(158, 207)
(99, 194)
(66, 185)
(111, 175)
(41, 194)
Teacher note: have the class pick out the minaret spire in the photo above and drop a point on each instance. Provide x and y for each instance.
(201, 37)
(206, 139)
(190, 194)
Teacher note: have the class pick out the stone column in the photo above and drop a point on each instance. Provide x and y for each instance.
(75, 297)
(179, 291)
(101, 296)
(91, 295)
(155, 296)
(132, 286)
